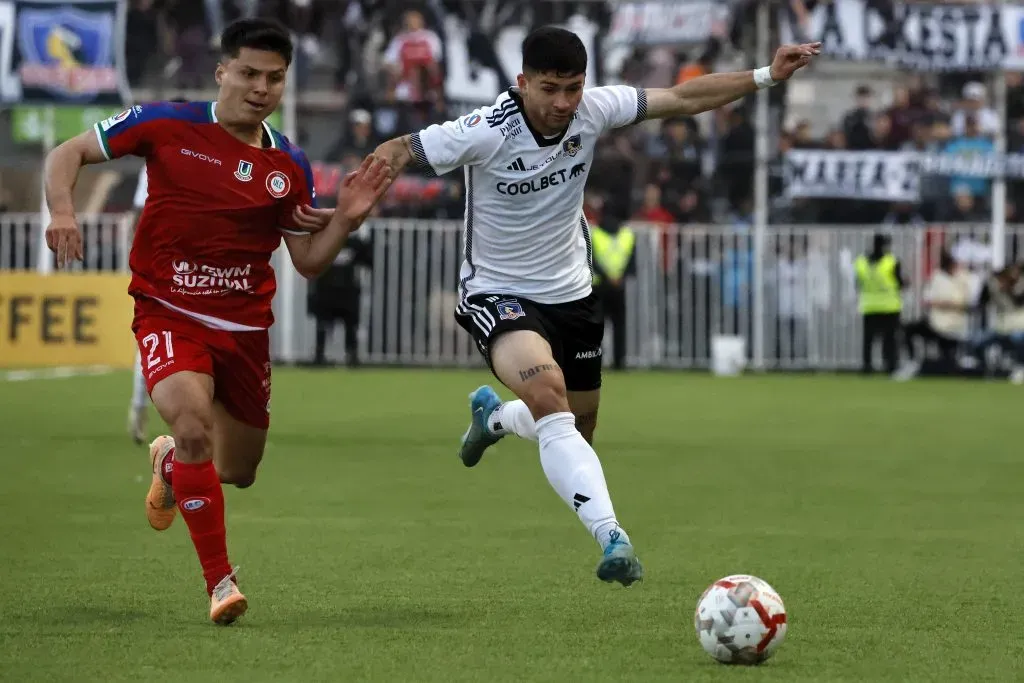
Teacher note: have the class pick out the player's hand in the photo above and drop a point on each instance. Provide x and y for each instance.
(64, 238)
(311, 220)
(790, 58)
(362, 189)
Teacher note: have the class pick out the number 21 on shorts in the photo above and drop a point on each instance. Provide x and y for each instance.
(155, 355)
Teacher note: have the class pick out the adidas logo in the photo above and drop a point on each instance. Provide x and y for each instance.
(516, 165)
(578, 500)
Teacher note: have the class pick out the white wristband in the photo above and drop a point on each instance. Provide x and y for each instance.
(763, 77)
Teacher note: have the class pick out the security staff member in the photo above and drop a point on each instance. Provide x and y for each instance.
(614, 260)
(879, 283)
(335, 296)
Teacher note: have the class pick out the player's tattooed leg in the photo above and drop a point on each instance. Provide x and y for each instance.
(536, 370)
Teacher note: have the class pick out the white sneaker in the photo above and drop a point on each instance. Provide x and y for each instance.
(1017, 376)
(909, 371)
(137, 419)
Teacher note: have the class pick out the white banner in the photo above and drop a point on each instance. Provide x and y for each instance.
(882, 176)
(659, 22)
(477, 75)
(927, 37)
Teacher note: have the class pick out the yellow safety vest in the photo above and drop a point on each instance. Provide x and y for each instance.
(612, 252)
(878, 287)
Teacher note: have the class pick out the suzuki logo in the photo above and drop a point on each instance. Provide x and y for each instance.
(202, 157)
(184, 267)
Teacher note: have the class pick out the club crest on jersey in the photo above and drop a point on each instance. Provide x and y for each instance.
(278, 184)
(573, 145)
(244, 172)
(471, 121)
(510, 309)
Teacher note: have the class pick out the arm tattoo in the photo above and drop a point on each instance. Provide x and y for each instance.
(536, 370)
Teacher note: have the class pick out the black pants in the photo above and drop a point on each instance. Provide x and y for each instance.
(886, 326)
(323, 330)
(922, 329)
(614, 302)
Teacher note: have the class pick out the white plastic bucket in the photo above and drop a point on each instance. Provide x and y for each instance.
(728, 355)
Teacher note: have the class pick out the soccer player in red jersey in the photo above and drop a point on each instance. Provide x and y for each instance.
(224, 188)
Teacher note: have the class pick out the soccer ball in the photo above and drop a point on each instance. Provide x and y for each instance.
(740, 620)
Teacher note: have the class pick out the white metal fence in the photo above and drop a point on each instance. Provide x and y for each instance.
(792, 298)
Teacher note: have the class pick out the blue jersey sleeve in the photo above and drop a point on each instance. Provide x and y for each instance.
(303, 189)
(139, 130)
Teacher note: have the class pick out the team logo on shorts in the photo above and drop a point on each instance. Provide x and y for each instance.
(244, 172)
(471, 121)
(573, 145)
(278, 184)
(510, 309)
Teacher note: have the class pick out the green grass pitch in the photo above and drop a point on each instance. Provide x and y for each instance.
(888, 516)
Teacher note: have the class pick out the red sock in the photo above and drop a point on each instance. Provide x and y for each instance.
(166, 467)
(201, 502)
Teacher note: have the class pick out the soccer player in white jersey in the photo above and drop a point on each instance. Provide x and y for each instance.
(525, 287)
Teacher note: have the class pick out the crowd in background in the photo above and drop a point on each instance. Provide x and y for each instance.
(387, 57)
(950, 114)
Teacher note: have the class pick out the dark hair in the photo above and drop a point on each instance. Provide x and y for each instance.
(553, 49)
(946, 261)
(257, 34)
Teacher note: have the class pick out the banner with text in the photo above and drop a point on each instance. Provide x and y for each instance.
(667, 22)
(63, 52)
(885, 176)
(882, 176)
(919, 36)
(65, 320)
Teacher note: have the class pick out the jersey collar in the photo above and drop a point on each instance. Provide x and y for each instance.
(269, 140)
(540, 139)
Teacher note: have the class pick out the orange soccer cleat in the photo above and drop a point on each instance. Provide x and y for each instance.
(160, 505)
(227, 602)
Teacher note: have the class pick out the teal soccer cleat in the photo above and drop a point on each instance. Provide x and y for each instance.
(620, 563)
(478, 437)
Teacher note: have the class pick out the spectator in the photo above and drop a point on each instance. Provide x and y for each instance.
(947, 299)
(360, 139)
(974, 107)
(836, 139)
(856, 123)
(971, 143)
(736, 154)
(881, 133)
(966, 207)
(652, 210)
(413, 61)
(902, 116)
(676, 153)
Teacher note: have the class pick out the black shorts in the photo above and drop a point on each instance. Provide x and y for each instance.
(574, 330)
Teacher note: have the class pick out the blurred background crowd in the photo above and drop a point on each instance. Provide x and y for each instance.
(367, 70)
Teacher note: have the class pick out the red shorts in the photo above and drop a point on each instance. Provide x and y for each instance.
(239, 362)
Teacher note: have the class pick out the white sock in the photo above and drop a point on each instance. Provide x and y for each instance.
(513, 417)
(140, 398)
(575, 473)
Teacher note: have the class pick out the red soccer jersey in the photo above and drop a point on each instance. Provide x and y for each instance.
(214, 214)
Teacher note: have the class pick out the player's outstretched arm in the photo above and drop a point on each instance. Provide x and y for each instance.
(358, 194)
(61, 173)
(397, 153)
(715, 90)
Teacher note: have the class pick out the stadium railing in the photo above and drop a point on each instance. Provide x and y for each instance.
(692, 283)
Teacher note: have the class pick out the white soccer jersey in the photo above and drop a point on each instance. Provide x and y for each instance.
(525, 230)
